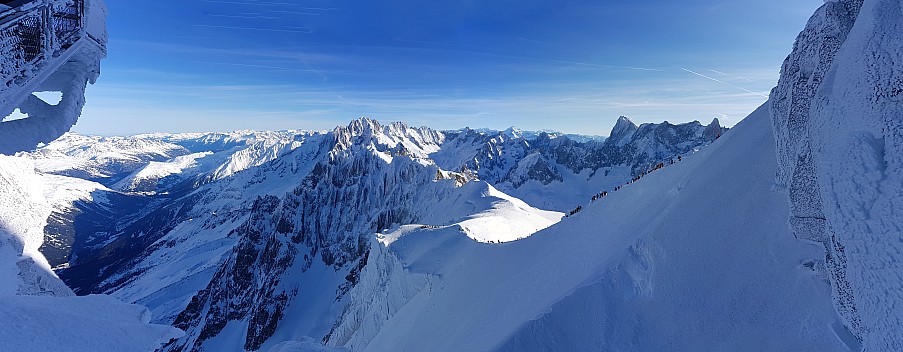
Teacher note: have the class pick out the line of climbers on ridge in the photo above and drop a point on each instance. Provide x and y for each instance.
(602, 194)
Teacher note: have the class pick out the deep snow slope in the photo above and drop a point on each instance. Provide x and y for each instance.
(695, 256)
(838, 119)
(23, 214)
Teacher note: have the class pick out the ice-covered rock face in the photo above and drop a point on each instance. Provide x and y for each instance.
(838, 120)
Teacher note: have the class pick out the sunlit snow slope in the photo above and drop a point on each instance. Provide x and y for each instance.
(696, 256)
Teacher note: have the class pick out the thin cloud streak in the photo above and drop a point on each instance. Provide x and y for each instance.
(251, 17)
(254, 3)
(304, 31)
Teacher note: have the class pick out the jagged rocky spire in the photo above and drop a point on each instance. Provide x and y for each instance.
(713, 130)
(622, 131)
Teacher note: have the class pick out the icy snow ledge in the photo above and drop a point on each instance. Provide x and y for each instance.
(88, 323)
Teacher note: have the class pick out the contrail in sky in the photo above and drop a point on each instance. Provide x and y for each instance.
(725, 74)
(724, 83)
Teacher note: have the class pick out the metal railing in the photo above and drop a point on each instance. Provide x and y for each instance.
(36, 31)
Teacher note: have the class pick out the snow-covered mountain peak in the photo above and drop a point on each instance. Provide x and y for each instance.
(517, 133)
(512, 132)
(622, 131)
(363, 126)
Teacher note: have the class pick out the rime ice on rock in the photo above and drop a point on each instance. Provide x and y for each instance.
(838, 120)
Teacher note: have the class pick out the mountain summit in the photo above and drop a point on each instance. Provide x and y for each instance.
(622, 131)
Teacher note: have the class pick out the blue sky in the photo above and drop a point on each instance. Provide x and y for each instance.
(567, 65)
